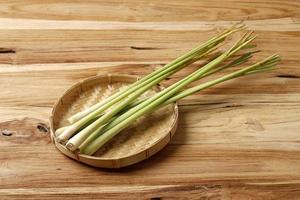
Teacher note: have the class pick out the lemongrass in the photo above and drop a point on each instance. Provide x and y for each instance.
(162, 96)
(78, 139)
(114, 128)
(109, 102)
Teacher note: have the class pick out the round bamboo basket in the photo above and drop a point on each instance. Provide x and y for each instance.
(145, 137)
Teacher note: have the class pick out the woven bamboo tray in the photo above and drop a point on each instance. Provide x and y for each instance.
(139, 141)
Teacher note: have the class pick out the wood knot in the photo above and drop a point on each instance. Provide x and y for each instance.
(7, 132)
(25, 131)
(42, 128)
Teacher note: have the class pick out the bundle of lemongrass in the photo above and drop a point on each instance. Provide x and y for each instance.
(92, 128)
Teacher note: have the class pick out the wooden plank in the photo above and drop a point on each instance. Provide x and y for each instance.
(176, 164)
(205, 191)
(48, 46)
(136, 10)
(41, 85)
(220, 144)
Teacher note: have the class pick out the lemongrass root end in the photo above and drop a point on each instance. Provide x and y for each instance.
(61, 140)
(71, 147)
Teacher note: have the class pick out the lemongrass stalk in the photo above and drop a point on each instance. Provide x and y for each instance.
(77, 139)
(74, 127)
(129, 89)
(267, 64)
(158, 99)
(243, 58)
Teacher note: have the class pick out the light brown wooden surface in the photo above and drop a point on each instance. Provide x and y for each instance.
(239, 140)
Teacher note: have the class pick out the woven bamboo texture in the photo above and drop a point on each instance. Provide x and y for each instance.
(142, 139)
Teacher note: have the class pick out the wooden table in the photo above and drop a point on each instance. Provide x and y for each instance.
(240, 140)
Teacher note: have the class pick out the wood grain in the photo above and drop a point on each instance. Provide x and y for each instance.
(154, 10)
(48, 46)
(239, 140)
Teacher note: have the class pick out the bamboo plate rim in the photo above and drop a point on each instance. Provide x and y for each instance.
(117, 162)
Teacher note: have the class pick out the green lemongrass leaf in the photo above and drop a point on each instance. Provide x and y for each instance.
(236, 62)
(250, 46)
(261, 70)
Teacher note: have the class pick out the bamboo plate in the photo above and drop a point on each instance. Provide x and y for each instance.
(145, 137)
